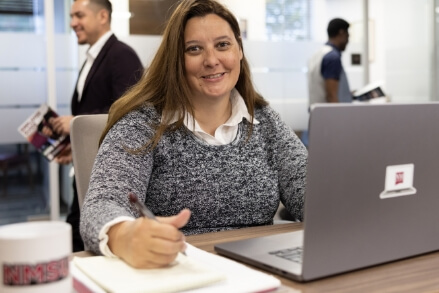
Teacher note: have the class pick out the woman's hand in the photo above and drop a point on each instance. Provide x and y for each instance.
(145, 243)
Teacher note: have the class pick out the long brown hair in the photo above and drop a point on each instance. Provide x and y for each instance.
(164, 85)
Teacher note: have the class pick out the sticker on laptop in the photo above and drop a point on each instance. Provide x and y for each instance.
(399, 181)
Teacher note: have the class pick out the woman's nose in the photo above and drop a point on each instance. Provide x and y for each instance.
(210, 57)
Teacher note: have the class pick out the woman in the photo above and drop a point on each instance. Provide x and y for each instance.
(195, 142)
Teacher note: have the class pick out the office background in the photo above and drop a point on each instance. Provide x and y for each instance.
(40, 59)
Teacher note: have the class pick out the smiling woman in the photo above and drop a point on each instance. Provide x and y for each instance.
(212, 62)
(195, 142)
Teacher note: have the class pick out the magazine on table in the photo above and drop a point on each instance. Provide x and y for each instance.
(38, 131)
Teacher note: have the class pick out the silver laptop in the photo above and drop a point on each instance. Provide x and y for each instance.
(372, 193)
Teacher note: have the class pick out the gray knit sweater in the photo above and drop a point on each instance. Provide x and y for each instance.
(226, 187)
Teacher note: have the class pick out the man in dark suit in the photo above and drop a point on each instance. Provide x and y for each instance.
(110, 69)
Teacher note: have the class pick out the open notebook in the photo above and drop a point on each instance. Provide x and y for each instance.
(197, 272)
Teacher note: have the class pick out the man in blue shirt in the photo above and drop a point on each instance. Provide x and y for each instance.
(327, 81)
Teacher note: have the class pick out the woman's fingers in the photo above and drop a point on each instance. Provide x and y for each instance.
(146, 243)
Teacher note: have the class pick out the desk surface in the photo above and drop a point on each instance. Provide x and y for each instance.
(418, 274)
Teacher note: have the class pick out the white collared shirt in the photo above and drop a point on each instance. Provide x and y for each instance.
(226, 132)
(92, 53)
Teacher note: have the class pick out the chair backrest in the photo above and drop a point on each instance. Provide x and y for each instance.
(85, 131)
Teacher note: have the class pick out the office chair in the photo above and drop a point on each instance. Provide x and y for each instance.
(85, 131)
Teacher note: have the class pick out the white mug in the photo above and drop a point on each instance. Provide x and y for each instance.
(34, 257)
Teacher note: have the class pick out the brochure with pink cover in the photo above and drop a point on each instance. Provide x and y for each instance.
(37, 130)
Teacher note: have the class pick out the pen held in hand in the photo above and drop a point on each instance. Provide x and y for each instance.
(143, 210)
(141, 207)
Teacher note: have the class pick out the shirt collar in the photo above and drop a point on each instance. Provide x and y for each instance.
(239, 112)
(94, 50)
(333, 46)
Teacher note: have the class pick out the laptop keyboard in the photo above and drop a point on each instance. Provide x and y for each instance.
(293, 254)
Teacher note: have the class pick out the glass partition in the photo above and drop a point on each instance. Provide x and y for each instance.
(25, 178)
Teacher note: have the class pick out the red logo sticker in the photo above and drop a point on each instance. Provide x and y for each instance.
(399, 178)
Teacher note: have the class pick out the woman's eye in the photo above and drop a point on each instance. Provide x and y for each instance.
(193, 49)
(223, 45)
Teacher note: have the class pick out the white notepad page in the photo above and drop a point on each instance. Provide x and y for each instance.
(198, 272)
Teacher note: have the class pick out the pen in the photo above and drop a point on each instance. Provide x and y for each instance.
(141, 207)
(143, 210)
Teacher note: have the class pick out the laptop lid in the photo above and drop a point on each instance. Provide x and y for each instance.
(353, 152)
(348, 224)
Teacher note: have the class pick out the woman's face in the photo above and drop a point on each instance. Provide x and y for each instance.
(212, 57)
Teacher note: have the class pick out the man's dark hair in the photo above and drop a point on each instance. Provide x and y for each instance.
(336, 25)
(106, 4)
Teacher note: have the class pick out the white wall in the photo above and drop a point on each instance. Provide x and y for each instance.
(120, 24)
(408, 47)
(253, 11)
